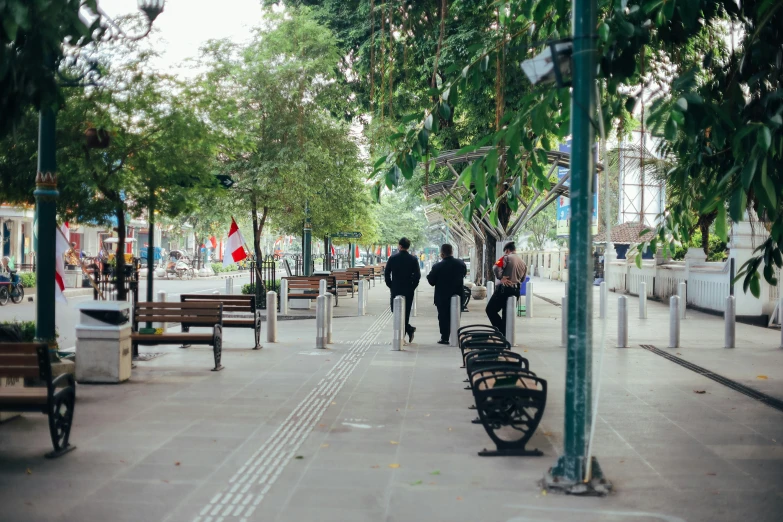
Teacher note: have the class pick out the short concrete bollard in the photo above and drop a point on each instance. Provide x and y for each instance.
(564, 321)
(455, 309)
(730, 320)
(414, 308)
(622, 322)
(329, 317)
(603, 296)
(490, 289)
(229, 286)
(529, 300)
(366, 295)
(161, 299)
(642, 300)
(674, 321)
(682, 293)
(361, 301)
(320, 321)
(780, 319)
(271, 317)
(322, 287)
(283, 297)
(511, 307)
(398, 323)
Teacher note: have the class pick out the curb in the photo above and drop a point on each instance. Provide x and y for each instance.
(68, 292)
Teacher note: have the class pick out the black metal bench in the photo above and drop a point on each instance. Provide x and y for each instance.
(31, 360)
(465, 298)
(232, 304)
(187, 314)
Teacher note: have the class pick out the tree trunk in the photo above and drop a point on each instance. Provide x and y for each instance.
(704, 226)
(119, 256)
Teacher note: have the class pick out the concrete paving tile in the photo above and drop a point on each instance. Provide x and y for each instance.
(98, 511)
(365, 499)
(330, 515)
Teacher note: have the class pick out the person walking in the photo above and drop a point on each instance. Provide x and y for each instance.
(402, 276)
(447, 277)
(511, 271)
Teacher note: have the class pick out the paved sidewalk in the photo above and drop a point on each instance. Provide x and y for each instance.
(361, 433)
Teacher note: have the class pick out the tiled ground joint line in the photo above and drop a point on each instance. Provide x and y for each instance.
(247, 488)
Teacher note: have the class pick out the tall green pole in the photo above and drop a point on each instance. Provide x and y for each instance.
(46, 227)
(307, 257)
(572, 465)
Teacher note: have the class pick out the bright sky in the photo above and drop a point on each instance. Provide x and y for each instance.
(185, 25)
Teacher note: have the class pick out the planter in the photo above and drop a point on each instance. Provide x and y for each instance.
(478, 293)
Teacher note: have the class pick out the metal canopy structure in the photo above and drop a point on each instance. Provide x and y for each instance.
(456, 226)
(530, 209)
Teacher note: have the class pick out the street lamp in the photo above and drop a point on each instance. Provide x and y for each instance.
(45, 220)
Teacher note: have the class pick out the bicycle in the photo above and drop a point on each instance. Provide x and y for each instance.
(13, 290)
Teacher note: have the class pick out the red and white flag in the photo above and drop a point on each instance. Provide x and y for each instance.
(61, 246)
(333, 251)
(235, 246)
(358, 254)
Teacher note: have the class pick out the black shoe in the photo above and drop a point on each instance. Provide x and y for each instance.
(410, 334)
(442, 341)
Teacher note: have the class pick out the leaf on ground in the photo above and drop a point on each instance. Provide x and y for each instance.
(394, 466)
(699, 391)
(427, 415)
(299, 457)
(450, 429)
(394, 442)
(712, 474)
(334, 404)
(543, 492)
(524, 351)
(375, 466)
(436, 472)
(459, 498)
(547, 434)
(416, 483)
(324, 445)
(122, 461)
(29, 471)
(762, 377)
(176, 463)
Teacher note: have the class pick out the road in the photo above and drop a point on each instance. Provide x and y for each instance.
(67, 315)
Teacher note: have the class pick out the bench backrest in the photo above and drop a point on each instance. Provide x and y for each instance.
(25, 360)
(311, 282)
(231, 303)
(194, 313)
(25, 267)
(345, 276)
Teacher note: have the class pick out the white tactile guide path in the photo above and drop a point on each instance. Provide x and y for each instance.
(247, 488)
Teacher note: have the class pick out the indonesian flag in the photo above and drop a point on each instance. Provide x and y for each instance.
(235, 246)
(333, 251)
(213, 240)
(378, 252)
(61, 246)
(388, 251)
(357, 251)
(279, 239)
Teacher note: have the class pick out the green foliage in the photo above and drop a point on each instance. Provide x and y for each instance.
(218, 268)
(400, 216)
(542, 228)
(27, 279)
(27, 329)
(717, 248)
(249, 288)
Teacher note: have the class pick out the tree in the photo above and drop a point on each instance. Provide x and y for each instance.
(399, 216)
(542, 228)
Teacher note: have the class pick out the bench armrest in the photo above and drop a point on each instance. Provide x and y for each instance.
(65, 379)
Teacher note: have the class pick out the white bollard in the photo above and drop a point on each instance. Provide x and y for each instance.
(398, 323)
(320, 321)
(456, 308)
(329, 316)
(361, 301)
(161, 299)
(564, 321)
(682, 293)
(511, 307)
(283, 297)
(730, 319)
(229, 286)
(216, 292)
(490, 289)
(642, 300)
(322, 287)
(603, 296)
(674, 321)
(622, 321)
(780, 319)
(271, 317)
(366, 295)
(414, 308)
(529, 300)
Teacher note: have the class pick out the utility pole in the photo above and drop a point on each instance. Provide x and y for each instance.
(572, 471)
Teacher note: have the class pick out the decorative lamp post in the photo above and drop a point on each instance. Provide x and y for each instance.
(45, 220)
(307, 243)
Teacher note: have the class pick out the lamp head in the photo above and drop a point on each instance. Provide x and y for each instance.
(151, 8)
(551, 65)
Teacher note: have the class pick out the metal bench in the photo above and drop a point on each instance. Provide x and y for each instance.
(31, 360)
(187, 314)
(232, 304)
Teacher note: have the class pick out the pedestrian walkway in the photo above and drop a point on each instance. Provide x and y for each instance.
(362, 433)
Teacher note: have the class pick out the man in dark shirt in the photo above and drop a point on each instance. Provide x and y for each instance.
(402, 276)
(447, 277)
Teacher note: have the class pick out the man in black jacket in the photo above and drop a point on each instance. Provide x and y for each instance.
(447, 277)
(402, 276)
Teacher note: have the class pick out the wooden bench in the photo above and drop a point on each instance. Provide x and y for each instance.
(25, 267)
(187, 314)
(347, 281)
(232, 304)
(365, 272)
(310, 286)
(31, 360)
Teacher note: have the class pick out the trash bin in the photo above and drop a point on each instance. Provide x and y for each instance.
(523, 286)
(103, 342)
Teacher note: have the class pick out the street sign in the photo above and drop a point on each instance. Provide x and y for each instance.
(225, 181)
(347, 235)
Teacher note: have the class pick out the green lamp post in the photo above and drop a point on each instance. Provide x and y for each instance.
(45, 219)
(307, 243)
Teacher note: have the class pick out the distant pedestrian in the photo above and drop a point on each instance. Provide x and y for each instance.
(402, 277)
(421, 261)
(511, 271)
(447, 277)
